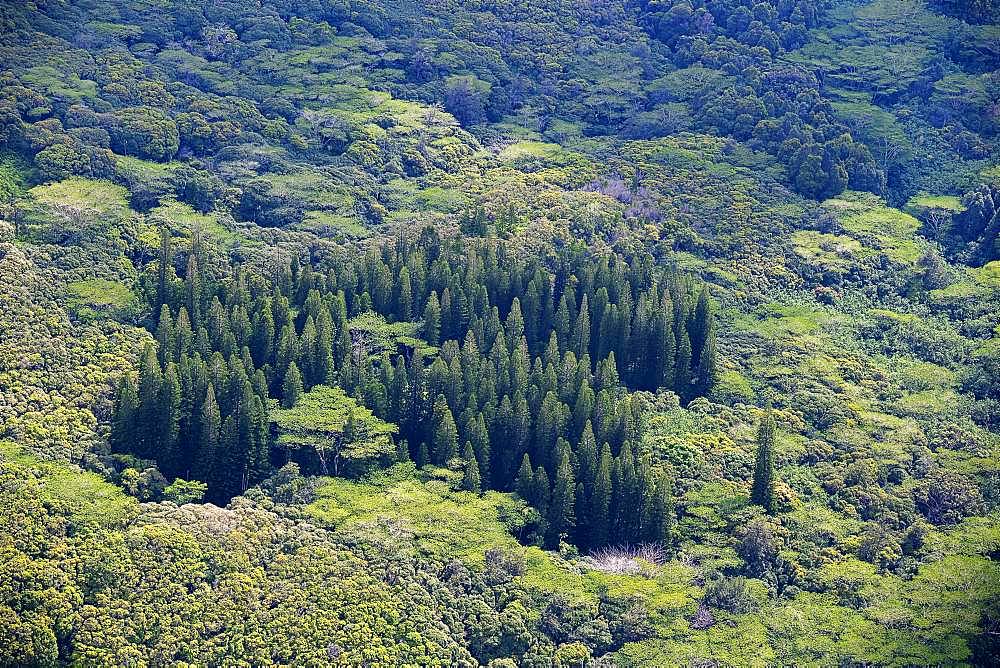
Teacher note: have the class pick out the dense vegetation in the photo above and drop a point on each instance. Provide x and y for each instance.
(357, 332)
(199, 404)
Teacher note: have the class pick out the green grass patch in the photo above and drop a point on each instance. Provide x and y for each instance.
(86, 498)
(829, 251)
(533, 155)
(182, 216)
(443, 521)
(878, 227)
(99, 293)
(947, 202)
(325, 223)
(782, 321)
(978, 283)
(446, 200)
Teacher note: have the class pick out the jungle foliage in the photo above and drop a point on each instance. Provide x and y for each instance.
(513, 333)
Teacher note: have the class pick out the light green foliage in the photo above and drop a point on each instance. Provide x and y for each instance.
(182, 217)
(375, 337)
(185, 491)
(98, 295)
(11, 179)
(442, 521)
(208, 594)
(50, 406)
(75, 211)
(344, 436)
(878, 228)
(947, 202)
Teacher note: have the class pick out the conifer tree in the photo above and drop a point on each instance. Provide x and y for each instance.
(607, 374)
(514, 325)
(222, 481)
(661, 529)
(432, 320)
(404, 299)
(150, 380)
(259, 462)
(587, 458)
(548, 428)
(682, 364)
(164, 270)
(540, 491)
(398, 392)
(194, 290)
(581, 330)
(584, 408)
(184, 335)
(402, 450)
(445, 445)
(706, 374)
(307, 352)
(667, 352)
(448, 326)
(600, 503)
(470, 478)
(291, 387)
(562, 322)
(287, 350)
(243, 457)
(262, 339)
(480, 440)
(423, 456)
(323, 353)
(560, 512)
(551, 356)
(123, 426)
(762, 493)
(165, 335)
(169, 409)
(208, 439)
(701, 322)
(628, 507)
(525, 479)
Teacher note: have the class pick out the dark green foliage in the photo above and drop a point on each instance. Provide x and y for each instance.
(519, 405)
(291, 387)
(973, 11)
(762, 491)
(143, 131)
(471, 480)
(561, 518)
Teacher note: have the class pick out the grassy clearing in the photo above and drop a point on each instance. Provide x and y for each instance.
(187, 219)
(79, 196)
(877, 227)
(946, 202)
(442, 521)
(325, 223)
(784, 321)
(84, 497)
(99, 293)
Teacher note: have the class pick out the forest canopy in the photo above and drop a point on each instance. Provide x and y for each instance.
(520, 333)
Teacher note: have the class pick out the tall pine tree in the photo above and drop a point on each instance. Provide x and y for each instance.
(762, 493)
(560, 512)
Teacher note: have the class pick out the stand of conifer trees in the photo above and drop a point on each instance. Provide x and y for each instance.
(527, 390)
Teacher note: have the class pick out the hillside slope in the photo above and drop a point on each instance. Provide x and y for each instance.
(395, 333)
